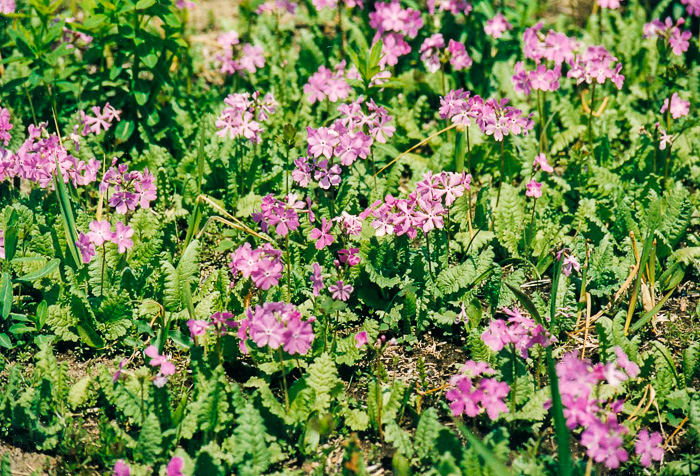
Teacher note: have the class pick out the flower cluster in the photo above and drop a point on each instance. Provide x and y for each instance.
(692, 7)
(520, 331)
(611, 4)
(534, 188)
(453, 6)
(174, 467)
(422, 210)
(165, 367)
(471, 397)
(263, 264)
(249, 58)
(596, 64)
(676, 106)
(350, 137)
(393, 25)
(37, 159)
(5, 126)
(221, 321)
(243, 115)
(129, 189)
(330, 84)
(602, 434)
(671, 33)
(282, 216)
(333, 4)
(493, 117)
(100, 234)
(7, 7)
(274, 6)
(555, 48)
(101, 122)
(276, 324)
(496, 26)
(456, 52)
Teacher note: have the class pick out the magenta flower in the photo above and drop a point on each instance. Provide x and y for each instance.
(284, 220)
(534, 189)
(340, 291)
(157, 360)
(496, 26)
(267, 274)
(471, 397)
(100, 232)
(692, 7)
(252, 58)
(87, 249)
(245, 260)
(541, 162)
(327, 176)
(361, 339)
(679, 107)
(267, 330)
(493, 393)
(464, 398)
(121, 469)
(317, 279)
(322, 235)
(5, 125)
(321, 141)
(431, 215)
(649, 447)
(298, 336)
(604, 445)
(624, 362)
(197, 327)
(174, 467)
(570, 263)
(122, 237)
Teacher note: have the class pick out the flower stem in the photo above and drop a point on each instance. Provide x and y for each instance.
(590, 119)
(513, 395)
(469, 190)
(289, 270)
(668, 146)
(102, 280)
(284, 380)
(503, 166)
(430, 262)
(530, 230)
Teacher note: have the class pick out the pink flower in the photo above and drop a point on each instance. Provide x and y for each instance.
(471, 397)
(541, 162)
(327, 176)
(431, 215)
(570, 263)
(459, 58)
(317, 279)
(496, 336)
(267, 273)
(496, 26)
(649, 447)
(5, 125)
(321, 141)
(340, 291)
(464, 398)
(87, 249)
(298, 336)
(157, 360)
(534, 189)
(197, 327)
(121, 469)
(493, 394)
(625, 363)
(679, 107)
(252, 58)
(122, 237)
(267, 330)
(665, 140)
(604, 445)
(692, 7)
(612, 4)
(100, 232)
(361, 339)
(175, 465)
(321, 235)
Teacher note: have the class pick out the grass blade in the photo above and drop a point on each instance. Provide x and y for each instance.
(491, 461)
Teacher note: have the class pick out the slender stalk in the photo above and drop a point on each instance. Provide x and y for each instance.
(379, 398)
(289, 270)
(447, 233)
(530, 230)
(541, 110)
(514, 393)
(503, 166)
(469, 190)
(430, 262)
(284, 380)
(102, 280)
(590, 119)
(668, 146)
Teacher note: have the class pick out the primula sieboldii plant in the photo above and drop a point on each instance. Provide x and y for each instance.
(349, 237)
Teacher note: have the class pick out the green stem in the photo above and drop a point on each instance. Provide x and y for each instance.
(668, 146)
(430, 262)
(503, 166)
(514, 392)
(590, 119)
(530, 230)
(289, 270)
(284, 380)
(104, 258)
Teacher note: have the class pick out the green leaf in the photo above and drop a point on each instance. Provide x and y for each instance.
(45, 271)
(6, 294)
(561, 432)
(526, 302)
(322, 378)
(496, 466)
(124, 130)
(144, 4)
(67, 216)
